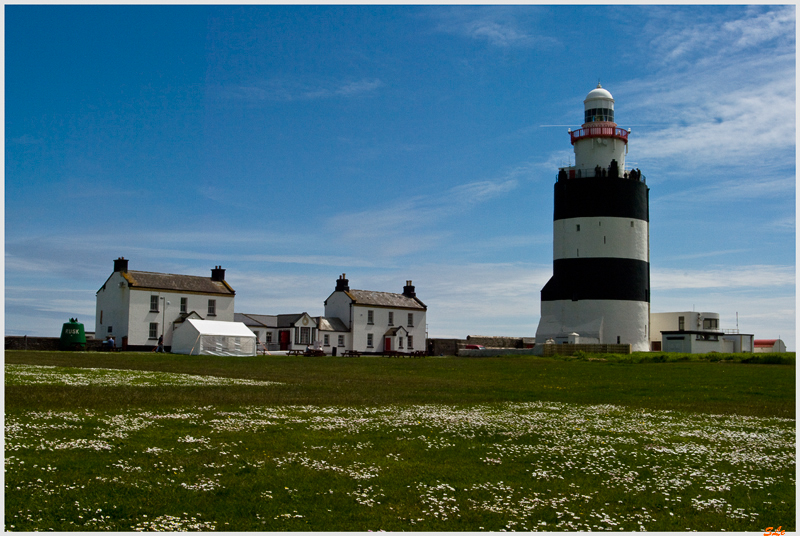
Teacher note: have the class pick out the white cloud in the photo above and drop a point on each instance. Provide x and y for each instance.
(723, 277)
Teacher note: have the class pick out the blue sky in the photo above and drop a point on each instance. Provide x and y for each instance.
(291, 144)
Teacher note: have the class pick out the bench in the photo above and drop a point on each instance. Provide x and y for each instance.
(351, 353)
(295, 352)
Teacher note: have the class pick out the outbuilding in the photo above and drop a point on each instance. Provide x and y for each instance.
(212, 337)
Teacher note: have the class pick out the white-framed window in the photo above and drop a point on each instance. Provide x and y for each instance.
(391, 318)
(305, 336)
(268, 336)
(411, 320)
(184, 302)
(370, 317)
(369, 340)
(710, 323)
(153, 303)
(153, 332)
(399, 342)
(110, 329)
(327, 339)
(410, 342)
(212, 307)
(341, 341)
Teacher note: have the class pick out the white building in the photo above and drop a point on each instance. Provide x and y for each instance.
(695, 333)
(136, 307)
(379, 322)
(769, 345)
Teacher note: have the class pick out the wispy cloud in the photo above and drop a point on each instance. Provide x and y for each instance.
(723, 277)
(498, 26)
(292, 89)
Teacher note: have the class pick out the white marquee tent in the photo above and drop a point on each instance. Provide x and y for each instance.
(212, 337)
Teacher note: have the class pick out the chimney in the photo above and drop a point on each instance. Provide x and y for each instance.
(342, 284)
(121, 265)
(218, 274)
(408, 290)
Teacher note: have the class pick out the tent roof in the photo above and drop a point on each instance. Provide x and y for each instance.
(217, 327)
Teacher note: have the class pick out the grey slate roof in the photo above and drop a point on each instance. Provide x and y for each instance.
(384, 299)
(266, 321)
(174, 282)
(325, 323)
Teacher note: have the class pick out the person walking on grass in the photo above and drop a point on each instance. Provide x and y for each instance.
(160, 347)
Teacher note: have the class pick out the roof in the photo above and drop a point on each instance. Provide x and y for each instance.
(217, 327)
(325, 323)
(384, 299)
(174, 282)
(266, 321)
(765, 342)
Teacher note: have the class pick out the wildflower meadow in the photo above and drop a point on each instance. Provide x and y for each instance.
(84, 451)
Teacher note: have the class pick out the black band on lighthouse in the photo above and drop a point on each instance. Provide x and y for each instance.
(598, 278)
(595, 196)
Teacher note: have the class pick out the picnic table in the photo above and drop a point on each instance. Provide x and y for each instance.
(295, 352)
(314, 353)
(351, 353)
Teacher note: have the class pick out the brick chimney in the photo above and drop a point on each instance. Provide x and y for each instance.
(218, 274)
(121, 265)
(342, 284)
(408, 290)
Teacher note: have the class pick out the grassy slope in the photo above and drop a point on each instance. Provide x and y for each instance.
(726, 388)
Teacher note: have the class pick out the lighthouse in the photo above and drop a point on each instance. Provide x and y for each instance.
(600, 289)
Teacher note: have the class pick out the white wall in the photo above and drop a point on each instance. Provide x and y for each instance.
(600, 237)
(112, 309)
(592, 152)
(601, 319)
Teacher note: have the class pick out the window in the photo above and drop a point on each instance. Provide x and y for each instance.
(411, 320)
(183, 305)
(327, 340)
(578, 227)
(369, 339)
(370, 317)
(391, 318)
(305, 336)
(681, 323)
(268, 336)
(341, 341)
(710, 323)
(153, 334)
(410, 342)
(399, 342)
(101, 316)
(212, 307)
(110, 330)
(153, 304)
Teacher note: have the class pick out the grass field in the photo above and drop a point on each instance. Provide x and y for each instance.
(146, 442)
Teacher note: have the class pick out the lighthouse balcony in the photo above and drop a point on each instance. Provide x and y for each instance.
(598, 132)
(574, 172)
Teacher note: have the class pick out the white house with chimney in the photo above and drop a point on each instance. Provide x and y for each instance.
(137, 307)
(695, 332)
(379, 322)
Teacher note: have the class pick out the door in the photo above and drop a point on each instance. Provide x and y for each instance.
(283, 339)
(387, 344)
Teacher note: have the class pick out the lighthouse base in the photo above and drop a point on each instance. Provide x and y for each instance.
(595, 322)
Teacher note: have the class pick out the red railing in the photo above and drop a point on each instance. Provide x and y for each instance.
(598, 132)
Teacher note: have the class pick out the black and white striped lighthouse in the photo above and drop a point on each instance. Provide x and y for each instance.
(600, 289)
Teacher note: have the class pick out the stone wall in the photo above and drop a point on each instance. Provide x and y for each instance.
(495, 342)
(47, 344)
(570, 349)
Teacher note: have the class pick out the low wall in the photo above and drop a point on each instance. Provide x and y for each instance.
(494, 352)
(47, 344)
(570, 349)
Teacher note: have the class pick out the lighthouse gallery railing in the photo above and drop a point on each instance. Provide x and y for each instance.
(597, 132)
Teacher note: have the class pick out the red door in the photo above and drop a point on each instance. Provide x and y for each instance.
(283, 339)
(387, 344)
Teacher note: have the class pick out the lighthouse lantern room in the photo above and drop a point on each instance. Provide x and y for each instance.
(600, 289)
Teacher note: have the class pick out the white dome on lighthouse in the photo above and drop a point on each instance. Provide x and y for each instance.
(599, 93)
(598, 106)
